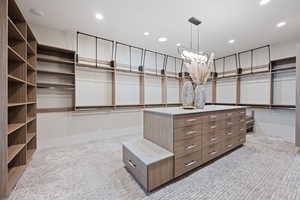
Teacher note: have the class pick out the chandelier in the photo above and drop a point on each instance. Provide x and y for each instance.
(190, 55)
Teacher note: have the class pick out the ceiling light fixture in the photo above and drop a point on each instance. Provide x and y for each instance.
(146, 34)
(190, 54)
(178, 44)
(162, 39)
(264, 2)
(231, 41)
(99, 16)
(37, 12)
(281, 24)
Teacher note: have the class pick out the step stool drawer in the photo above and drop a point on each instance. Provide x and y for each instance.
(150, 164)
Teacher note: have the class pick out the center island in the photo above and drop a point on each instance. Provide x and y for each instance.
(178, 140)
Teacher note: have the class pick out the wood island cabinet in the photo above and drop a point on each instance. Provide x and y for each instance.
(194, 137)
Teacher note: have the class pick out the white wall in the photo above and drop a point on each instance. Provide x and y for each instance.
(226, 91)
(255, 89)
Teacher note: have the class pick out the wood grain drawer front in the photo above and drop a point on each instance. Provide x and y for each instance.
(187, 163)
(213, 125)
(212, 151)
(135, 167)
(229, 144)
(187, 132)
(184, 147)
(215, 116)
(188, 121)
(160, 172)
(211, 137)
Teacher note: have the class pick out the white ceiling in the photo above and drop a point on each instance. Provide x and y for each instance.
(250, 24)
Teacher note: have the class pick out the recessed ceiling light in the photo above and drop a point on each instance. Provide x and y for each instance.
(281, 24)
(231, 41)
(37, 12)
(162, 39)
(146, 34)
(178, 44)
(99, 16)
(264, 2)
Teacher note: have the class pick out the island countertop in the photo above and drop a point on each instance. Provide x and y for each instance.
(181, 111)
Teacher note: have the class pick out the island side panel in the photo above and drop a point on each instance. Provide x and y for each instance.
(158, 129)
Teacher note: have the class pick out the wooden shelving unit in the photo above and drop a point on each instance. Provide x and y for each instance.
(18, 72)
(56, 78)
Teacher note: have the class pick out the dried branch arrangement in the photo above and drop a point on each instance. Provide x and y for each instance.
(200, 71)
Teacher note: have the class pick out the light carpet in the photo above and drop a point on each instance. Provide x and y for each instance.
(264, 168)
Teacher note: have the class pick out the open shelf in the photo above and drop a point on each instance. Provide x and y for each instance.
(31, 111)
(14, 33)
(31, 77)
(16, 168)
(16, 104)
(30, 119)
(31, 131)
(56, 73)
(55, 85)
(31, 147)
(17, 17)
(16, 92)
(13, 127)
(16, 142)
(56, 60)
(30, 67)
(14, 56)
(15, 79)
(17, 71)
(31, 93)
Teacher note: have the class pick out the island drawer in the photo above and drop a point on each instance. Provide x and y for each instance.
(150, 164)
(212, 151)
(187, 132)
(187, 146)
(187, 163)
(137, 168)
(188, 120)
(211, 136)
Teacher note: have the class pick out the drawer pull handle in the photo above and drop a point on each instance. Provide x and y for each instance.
(230, 133)
(213, 127)
(241, 129)
(213, 139)
(190, 147)
(229, 114)
(213, 116)
(242, 120)
(191, 132)
(190, 163)
(230, 145)
(130, 162)
(229, 123)
(242, 112)
(191, 120)
(212, 153)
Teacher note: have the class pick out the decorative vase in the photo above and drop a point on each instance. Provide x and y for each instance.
(200, 96)
(187, 94)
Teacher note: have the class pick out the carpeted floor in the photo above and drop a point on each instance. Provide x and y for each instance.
(265, 168)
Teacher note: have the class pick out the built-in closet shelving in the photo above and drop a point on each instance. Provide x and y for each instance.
(56, 79)
(19, 67)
